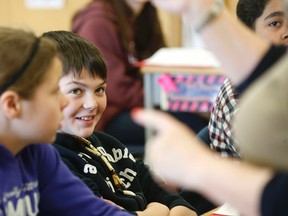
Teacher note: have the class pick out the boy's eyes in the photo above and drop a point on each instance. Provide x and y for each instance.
(275, 24)
(76, 91)
(100, 90)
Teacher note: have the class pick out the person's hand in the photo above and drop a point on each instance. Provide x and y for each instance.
(178, 6)
(192, 10)
(153, 207)
(174, 151)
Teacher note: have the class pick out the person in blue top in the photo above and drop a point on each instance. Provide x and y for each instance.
(33, 179)
(100, 160)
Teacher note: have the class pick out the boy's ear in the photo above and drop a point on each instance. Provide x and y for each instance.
(10, 104)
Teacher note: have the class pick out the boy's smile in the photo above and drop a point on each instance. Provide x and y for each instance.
(87, 102)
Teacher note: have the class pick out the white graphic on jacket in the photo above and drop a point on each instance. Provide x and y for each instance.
(90, 168)
(118, 154)
(127, 175)
(21, 200)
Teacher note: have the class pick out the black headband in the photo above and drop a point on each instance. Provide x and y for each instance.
(22, 69)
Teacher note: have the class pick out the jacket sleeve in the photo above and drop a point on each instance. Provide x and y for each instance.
(272, 56)
(124, 85)
(275, 196)
(61, 193)
(88, 181)
(155, 193)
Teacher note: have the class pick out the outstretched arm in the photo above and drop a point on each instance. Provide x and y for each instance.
(238, 48)
(186, 162)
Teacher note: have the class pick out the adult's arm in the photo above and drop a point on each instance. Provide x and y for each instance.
(275, 196)
(238, 48)
(191, 165)
(272, 56)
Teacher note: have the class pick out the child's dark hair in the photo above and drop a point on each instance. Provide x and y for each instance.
(78, 53)
(249, 10)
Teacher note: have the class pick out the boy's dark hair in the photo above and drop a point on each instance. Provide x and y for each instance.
(78, 53)
(249, 10)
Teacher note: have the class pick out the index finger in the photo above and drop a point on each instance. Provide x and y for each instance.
(155, 120)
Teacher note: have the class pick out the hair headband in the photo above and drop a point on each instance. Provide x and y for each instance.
(22, 69)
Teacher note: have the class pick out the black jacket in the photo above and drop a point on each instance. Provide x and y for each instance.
(134, 174)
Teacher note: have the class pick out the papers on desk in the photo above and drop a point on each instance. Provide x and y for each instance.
(183, 57)
(226, 210)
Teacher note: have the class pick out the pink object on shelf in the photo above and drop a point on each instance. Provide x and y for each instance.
(167, 83)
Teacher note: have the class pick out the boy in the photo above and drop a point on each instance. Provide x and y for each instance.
(101, 161)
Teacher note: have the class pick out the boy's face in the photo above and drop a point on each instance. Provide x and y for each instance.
(87, 102)
(272, 24)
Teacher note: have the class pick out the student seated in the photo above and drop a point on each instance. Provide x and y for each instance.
(101, 161)
(266, 19)
(34, 180)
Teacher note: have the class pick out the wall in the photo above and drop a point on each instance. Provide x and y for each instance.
(231, 4)
(172, 28)
(15, 13)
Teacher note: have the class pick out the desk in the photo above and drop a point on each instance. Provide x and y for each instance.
(175, 61)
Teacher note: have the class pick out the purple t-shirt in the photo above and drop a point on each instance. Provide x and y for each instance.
(36, 182)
